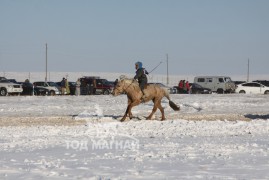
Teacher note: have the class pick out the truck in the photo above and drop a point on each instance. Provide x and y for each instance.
(92, 85)
(218, 84)
(7, 87)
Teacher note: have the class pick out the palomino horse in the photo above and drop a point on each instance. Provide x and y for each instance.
(153, 92)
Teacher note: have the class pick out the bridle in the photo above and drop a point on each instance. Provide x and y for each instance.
(124, 89)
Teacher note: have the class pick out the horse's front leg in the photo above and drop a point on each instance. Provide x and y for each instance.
(130, 112)
(129, 108)
(125, 114)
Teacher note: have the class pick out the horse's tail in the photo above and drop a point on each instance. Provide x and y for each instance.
(171, 103)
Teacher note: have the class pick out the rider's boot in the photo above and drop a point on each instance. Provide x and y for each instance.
(143, 98)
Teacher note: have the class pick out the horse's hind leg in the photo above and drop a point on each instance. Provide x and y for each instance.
(162, 111)
(153, 110)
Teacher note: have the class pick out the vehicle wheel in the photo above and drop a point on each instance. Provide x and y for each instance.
(242, 92)
(266, 92)
(3, 92)
(106, 92)
(52, 93)
(220, 91)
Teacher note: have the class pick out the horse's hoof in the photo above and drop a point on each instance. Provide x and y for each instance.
(148, 118)
(122, 120)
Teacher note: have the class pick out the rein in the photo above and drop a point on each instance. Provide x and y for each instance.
(124, 89)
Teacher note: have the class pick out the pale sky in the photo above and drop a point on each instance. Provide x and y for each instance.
(214, 37)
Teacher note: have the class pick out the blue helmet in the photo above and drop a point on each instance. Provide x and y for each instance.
(139, 64)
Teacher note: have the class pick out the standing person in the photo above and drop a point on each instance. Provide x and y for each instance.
(180, 86)
(63, 86)
(78, 83)
(141, 77)
(188, 87)
(184, 87)
(67, 87)
(94, 86)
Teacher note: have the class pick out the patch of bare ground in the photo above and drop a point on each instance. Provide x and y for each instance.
(71, 121)
(40, 121)
(210, 117)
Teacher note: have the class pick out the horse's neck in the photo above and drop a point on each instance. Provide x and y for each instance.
(131, 88)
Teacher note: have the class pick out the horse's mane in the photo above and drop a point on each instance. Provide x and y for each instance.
(129, 81)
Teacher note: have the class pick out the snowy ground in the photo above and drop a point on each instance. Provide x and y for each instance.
(68, 137)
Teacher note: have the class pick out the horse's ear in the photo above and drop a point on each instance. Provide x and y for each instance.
(116, 82)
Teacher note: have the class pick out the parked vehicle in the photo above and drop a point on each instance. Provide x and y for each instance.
(252, 88)
(102, 86)
(29, 88)
(51, 86)
(172, 90)
(219, 84)
(194, 89)
(7, 87)
(198, 89)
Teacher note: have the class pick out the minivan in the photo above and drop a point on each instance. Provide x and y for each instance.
(219, 84)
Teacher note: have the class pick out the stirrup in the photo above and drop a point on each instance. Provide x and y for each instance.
(142, 99)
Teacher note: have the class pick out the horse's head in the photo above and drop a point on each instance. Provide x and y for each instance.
(118, 88)
(121, 86)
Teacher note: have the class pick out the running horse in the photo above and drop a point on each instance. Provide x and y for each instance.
(152, 91)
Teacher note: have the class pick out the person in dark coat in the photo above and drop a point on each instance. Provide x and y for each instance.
(63, 86)
(140, 75)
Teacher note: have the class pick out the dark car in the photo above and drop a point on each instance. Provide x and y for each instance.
(198, 89)
(28, 89)
(95, 85)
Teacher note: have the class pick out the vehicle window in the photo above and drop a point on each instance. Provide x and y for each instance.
(52, 84)
(201, 79)
(221, 80)
(256, 85)
(4, 81)
(209, 80)
(251, 85)
(247, 85)
(227, 79)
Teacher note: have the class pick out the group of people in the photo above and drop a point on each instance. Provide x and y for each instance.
(65, 89)
(184, 87)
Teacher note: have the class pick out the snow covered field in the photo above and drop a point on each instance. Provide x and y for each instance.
(68, 137)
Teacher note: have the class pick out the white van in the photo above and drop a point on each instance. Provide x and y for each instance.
(219, 84)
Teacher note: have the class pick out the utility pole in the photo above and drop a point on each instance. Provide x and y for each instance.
(46, 78)
(248, 72)
(167, 81)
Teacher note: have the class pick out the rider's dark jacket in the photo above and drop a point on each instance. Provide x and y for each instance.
(141, 77)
